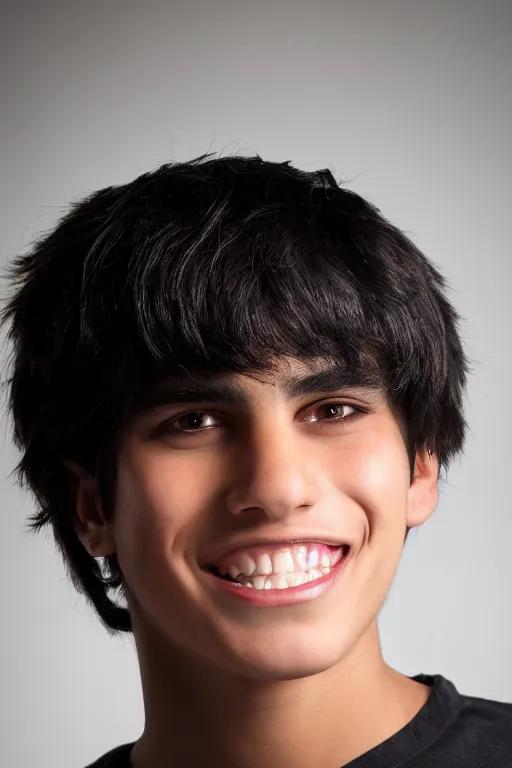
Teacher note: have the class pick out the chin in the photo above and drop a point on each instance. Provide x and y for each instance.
(290, 658)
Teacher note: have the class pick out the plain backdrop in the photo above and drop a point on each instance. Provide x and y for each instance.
(410, 103)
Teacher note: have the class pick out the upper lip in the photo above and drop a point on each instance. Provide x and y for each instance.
(286, 541)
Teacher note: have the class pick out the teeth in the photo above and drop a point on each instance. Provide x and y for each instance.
(264, 564)
(313, 559)
(336, 556)
(247, 565)
(302, 558)
(234, 571)
(284, 581)
(294, 579)
(258, 582)
(283, 562)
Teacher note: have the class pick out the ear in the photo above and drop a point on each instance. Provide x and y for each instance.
(93, 530)
(423, 494)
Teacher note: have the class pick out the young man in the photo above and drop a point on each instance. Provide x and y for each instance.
(234, 386)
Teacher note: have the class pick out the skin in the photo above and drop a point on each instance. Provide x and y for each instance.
(231, 684)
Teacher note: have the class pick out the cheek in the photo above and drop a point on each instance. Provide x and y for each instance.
(160, 496)
(158, 505)
(372, 478)
(372, 469)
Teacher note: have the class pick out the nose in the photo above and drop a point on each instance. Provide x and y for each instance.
(275, 474)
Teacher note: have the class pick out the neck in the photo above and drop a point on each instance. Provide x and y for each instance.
(197, 715)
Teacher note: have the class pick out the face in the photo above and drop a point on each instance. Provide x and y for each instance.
(272, 464)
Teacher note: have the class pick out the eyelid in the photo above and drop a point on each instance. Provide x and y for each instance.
(339, 400)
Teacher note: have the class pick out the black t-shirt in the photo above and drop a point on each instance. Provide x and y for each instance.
(449, 731)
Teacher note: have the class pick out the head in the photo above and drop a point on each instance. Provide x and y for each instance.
(160, 335)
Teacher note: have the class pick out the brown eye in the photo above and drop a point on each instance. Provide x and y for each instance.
(193, 421)
(335, 412)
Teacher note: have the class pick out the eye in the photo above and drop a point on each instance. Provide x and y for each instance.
(336, 412)
(196, 422)
(193, 421)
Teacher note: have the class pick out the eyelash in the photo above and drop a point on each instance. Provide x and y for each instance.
(168, 426)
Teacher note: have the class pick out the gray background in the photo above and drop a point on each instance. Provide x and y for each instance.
(410, 101)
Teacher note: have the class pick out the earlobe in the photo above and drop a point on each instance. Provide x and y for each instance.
(423, 494)
(91, 526)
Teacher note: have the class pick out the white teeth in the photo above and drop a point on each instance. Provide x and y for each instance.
(283, 562)
(336, 556)
(264, 564)
(284, 581)
(301, 558)
(259, 582)
(247, 565)
(296, 579)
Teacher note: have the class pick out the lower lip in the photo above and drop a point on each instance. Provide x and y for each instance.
(289, 596)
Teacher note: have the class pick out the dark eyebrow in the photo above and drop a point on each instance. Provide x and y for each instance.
(207, 389)
(329, 380)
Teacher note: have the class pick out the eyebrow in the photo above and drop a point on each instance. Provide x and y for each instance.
(198, 388)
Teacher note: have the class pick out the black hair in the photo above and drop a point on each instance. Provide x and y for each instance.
(217, 264)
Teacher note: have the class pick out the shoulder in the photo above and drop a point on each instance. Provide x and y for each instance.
(119, 757)
(478, 734)
(490, 717)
